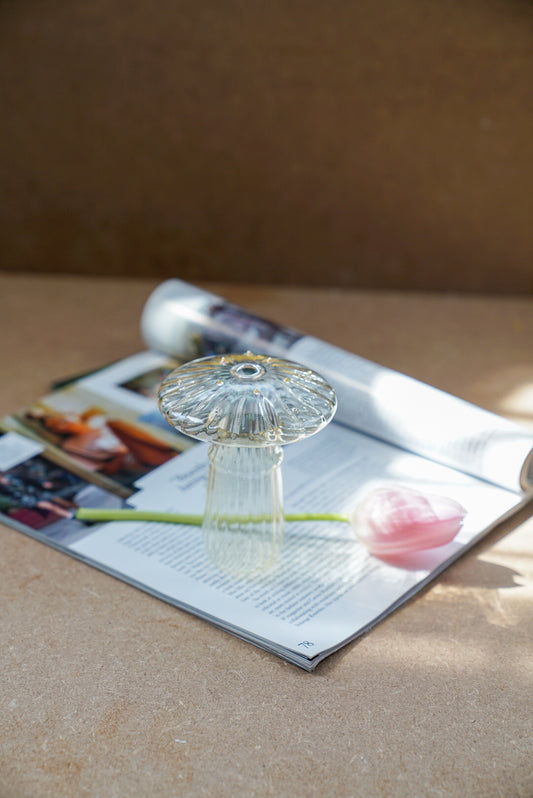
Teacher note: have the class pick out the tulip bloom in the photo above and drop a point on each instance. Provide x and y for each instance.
(394, 519)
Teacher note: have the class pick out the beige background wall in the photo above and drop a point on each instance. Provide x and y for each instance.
(376, 144)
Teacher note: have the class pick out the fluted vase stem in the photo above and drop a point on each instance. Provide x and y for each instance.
(243, 518)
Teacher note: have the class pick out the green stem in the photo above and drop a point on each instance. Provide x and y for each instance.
(91, 514)
(317, 517)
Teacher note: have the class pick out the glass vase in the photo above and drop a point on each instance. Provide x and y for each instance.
(247, 407)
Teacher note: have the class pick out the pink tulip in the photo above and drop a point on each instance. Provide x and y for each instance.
(394, 519)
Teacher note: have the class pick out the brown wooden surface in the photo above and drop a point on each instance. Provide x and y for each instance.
(107, 692)
(367, 144)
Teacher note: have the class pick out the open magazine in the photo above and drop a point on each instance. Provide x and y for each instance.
(100, 441)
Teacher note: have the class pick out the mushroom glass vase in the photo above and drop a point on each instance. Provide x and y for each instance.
(247, 407)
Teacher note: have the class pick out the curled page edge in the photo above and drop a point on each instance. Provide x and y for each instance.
(179, 318)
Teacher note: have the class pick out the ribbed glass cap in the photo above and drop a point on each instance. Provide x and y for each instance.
(246, 400)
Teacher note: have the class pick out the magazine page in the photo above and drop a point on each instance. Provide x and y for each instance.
(39, 495)
(301, 597)
(107, 426)
(309, 594)
(186, 322)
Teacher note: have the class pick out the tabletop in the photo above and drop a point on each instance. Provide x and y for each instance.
(107, 691)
